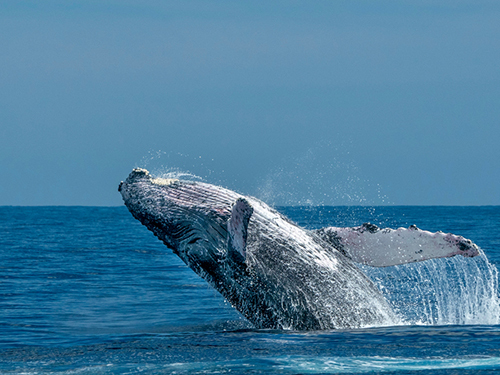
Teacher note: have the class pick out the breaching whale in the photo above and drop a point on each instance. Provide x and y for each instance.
(273, 272)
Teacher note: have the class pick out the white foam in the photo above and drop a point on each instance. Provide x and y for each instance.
(443, 291)
(164, 181)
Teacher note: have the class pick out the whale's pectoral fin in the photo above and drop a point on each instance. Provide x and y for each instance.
(373, 246)
(237, 227)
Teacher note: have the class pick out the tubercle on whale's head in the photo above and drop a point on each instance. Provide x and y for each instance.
(177, 213)
(141, 173)
(139, 185)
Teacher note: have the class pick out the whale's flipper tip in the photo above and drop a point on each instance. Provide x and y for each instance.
(237, 227)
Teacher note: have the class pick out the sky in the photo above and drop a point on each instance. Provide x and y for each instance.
(295, 102)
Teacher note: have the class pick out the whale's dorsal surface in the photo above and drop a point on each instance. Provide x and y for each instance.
(368, 244)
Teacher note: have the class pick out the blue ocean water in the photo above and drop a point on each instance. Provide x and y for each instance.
(90, 290)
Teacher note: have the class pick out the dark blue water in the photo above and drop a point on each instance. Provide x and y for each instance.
(90, 290)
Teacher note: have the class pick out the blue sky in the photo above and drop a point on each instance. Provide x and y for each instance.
(296, 102)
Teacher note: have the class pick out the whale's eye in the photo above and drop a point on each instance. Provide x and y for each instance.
(194, 240)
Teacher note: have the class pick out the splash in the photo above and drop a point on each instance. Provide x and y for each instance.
(176, 174)
(184, 166)
(322, 175)
(447, 291)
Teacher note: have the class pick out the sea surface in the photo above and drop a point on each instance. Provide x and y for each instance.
(89, 290)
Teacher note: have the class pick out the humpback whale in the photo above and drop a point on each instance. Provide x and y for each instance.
(275, 273)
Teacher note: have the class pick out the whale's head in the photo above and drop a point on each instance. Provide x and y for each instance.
(190, 217)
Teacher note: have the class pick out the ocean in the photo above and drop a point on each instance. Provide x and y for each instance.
(89, 290)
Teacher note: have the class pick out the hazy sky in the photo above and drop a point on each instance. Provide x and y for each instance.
(296, 102)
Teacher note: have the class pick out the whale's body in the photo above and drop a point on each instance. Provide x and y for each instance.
(275, 273)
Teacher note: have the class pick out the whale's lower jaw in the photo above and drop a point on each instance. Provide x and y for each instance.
(274, 273)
